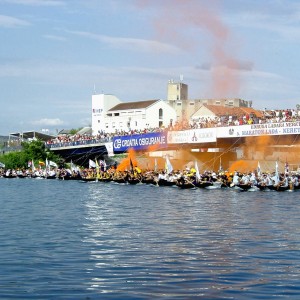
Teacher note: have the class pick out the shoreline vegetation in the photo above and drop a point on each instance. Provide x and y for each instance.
(34, 150)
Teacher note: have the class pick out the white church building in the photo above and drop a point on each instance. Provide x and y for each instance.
(110, 115)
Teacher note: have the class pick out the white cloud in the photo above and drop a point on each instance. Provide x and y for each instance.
(130, 43)
(285, 24)
(54, 37)
(51, 72)
(48, 122)
(134, 82)
(10, 22)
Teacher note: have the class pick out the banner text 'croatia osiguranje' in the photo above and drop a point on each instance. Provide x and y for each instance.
(139, 141)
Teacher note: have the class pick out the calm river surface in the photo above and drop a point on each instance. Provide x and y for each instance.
(75, 240)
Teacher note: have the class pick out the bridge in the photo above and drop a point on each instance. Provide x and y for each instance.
(256, 142)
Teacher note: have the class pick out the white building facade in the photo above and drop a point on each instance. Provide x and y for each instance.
(100, 105)
(110, 115)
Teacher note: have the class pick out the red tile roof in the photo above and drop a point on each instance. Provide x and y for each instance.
(133, 105)
(234, 111)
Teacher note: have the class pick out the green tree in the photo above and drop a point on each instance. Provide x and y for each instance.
(33, 150)
(14, 160)
(74, 131)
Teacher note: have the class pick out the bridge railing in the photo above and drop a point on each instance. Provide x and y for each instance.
(77, 143)
(189, 136)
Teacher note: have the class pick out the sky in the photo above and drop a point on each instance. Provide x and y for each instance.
(55, 54)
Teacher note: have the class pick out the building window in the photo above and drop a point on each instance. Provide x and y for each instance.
(218, 102)
(160, 113)
(230, 103)
(113, 124)
(106, 125)
(117, 114)
(121, 124)
(178, 103)
(192, 103)
(98, 121)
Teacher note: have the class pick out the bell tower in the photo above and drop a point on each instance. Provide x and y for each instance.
(177, 97)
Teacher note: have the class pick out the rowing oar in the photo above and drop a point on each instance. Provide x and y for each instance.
(188, 181)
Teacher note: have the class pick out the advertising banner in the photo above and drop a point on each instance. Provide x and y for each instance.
(201, 135)
(283, 128)
(178, 137)
(139, 141)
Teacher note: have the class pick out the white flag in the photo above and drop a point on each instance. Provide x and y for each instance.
(276, 170)
(169, 167)
(197, 171)
(258, 169)
(286, 168)
(74, 167)
(276, 177)
(103, 164)
(92, 164)
(220, 168)
(109, 148)
(32, 166)
(53, 164)
(155, 165)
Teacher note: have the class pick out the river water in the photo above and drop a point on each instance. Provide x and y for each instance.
(76, 240)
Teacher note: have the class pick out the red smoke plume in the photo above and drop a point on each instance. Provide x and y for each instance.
(183, 22)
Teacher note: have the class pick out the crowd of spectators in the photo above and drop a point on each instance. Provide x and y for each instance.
(272, 116)
(102, 137)
(78, 139)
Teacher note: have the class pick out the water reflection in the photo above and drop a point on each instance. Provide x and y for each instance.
(152, 242)
(74, 240)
